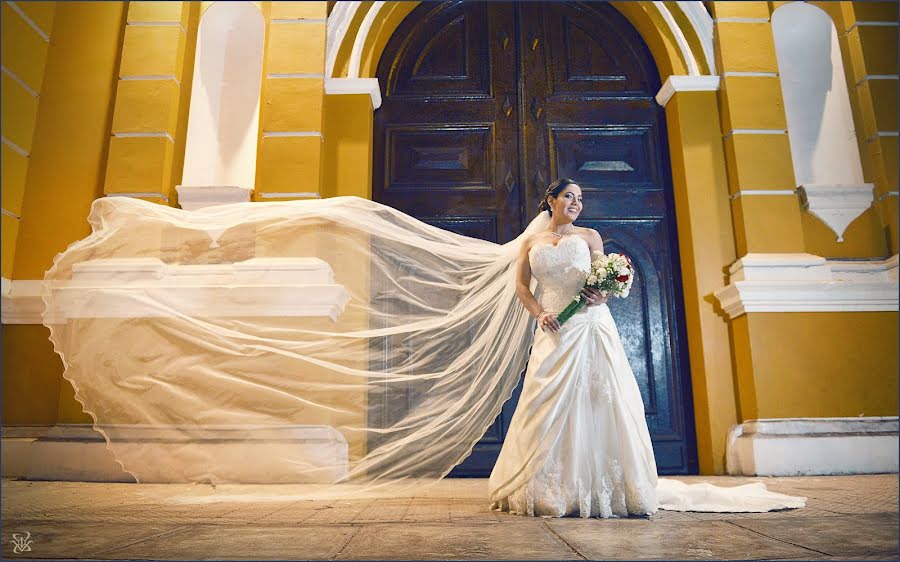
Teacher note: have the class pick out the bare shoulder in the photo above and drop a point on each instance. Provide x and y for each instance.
(592, 237)
(530, 241)
(590, 234)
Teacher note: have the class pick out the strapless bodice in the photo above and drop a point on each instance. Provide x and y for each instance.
(560, 270)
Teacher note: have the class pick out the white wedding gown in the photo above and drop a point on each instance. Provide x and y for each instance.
(578, 443)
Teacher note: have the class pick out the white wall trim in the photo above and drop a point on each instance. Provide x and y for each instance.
(158, 24)
(267, 134)
(19, 81)
(812, 446)
(153, 134)
(150, 288)
(872, 24)
(339, 86)
(744, 73)
(193, 197)
(680, 40)
(277, 76)
(880, 134)
(78, 452)
(22, 302)
(808, 283)
(139, 194)
(10, 214)
(360, 39)
(338, 24)
(152, 77)
(746, 192)
(741, 20)
(15, 148)
(887, 194)
(755, 132)
(277, 195)
(686, 84)
(877, 77)
(836, 205)
(703, 26)
(340, 19)
(43, 34)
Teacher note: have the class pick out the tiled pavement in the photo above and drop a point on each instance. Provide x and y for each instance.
(847, 517)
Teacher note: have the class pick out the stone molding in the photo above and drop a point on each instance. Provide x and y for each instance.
(808, 283)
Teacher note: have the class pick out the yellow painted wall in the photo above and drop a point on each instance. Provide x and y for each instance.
(290, 154)
(706, 247)
(867, 50)
(797, 364)
(64, 176)
(348, 145)
(768, 365)
(816, 364)
(152, 98)
(32, 376)
(26, 31)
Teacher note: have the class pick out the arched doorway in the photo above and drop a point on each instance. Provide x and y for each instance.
(484, 104)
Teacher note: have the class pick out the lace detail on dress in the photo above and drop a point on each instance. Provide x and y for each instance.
(592, 468)
(548, 494)
(560, 270)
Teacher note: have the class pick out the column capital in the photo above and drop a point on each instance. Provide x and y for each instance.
(676, 83)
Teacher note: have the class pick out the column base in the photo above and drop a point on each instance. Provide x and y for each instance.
(76, 452)
(813, 446)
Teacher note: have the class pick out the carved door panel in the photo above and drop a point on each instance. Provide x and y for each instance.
(559, 90)
(446, 142)
(588, 84)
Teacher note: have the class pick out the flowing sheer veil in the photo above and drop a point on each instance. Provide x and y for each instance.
(335, 342)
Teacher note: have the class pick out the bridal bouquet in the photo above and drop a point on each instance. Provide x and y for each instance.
(611, 274)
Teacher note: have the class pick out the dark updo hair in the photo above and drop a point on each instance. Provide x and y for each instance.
(553, 190)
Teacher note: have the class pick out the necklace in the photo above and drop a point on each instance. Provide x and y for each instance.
(554, 233)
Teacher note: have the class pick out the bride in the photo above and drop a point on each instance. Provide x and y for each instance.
(344, 344)
(578, 442)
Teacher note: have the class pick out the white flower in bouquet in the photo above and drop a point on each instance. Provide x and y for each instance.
(611, 274)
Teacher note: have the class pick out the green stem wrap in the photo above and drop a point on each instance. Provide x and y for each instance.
(570, 310)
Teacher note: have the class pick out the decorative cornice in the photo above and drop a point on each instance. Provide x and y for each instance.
(836, 205)
(337, 86)
(808, 283)
(148, 287)
(22, 302)
(686, 84)
(122, 288)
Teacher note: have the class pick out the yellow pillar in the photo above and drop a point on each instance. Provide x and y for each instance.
(290, 162)
(764, 205)
(348, 148)
(761, 182)
(867, 32)
(706, 248)
(64, 176)
(149, 120)
(26, 37)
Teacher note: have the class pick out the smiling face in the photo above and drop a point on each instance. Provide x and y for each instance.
(568, 203)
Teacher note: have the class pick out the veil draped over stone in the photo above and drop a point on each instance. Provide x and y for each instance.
(335, 342)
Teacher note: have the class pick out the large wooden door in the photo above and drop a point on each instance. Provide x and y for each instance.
(484, 104)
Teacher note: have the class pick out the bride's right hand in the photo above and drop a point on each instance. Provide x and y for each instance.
(549, 323)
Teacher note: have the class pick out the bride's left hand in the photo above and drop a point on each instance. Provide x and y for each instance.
(592, 296)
